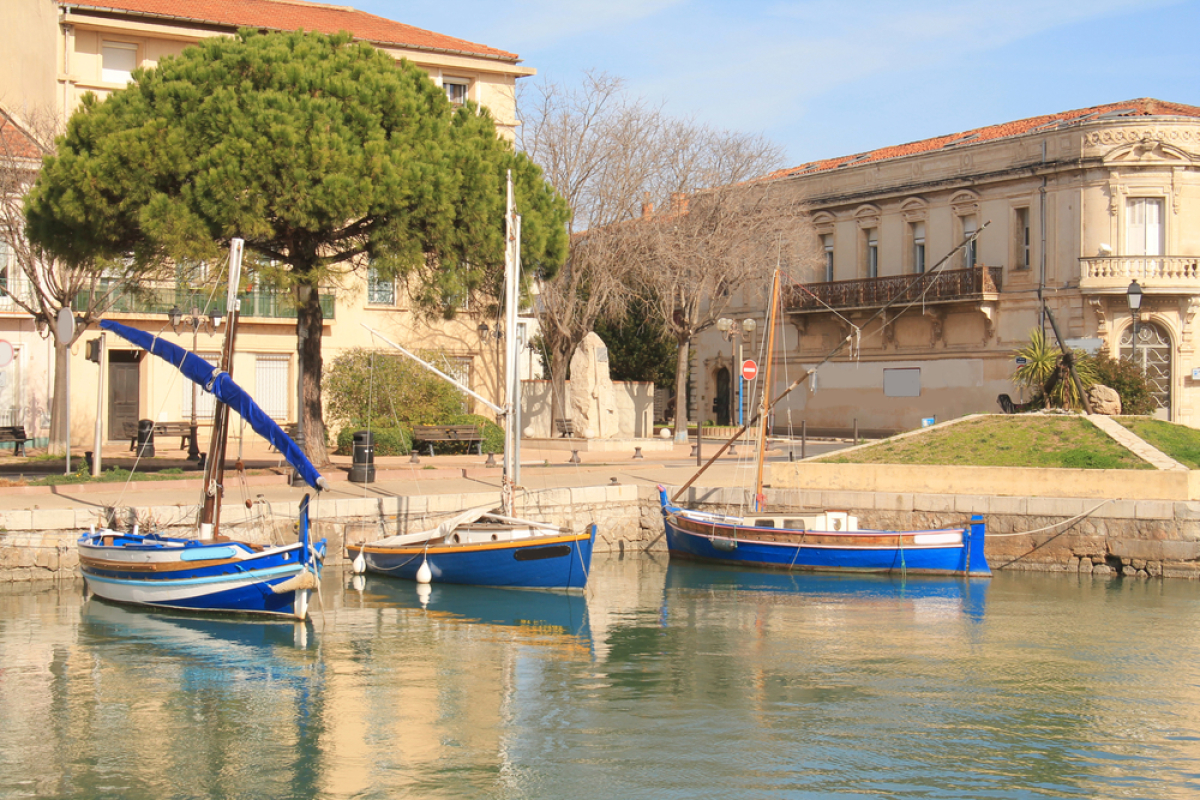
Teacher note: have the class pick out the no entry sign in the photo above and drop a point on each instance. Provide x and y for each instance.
(749, 370)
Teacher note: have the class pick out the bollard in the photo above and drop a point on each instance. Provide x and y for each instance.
(574, 458)
(414, 457)
(145, 438)
(733, 449)
(637, 452)
(491, 459)
(362, 470)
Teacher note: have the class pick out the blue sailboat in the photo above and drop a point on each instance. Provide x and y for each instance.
(210, 573)
(481, 547)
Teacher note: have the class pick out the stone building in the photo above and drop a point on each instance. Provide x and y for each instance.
(1072, 207)
(52, 52)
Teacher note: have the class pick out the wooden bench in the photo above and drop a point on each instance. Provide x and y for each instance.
(448, 433)
(15, 434)
(566, 428)
(181, 429)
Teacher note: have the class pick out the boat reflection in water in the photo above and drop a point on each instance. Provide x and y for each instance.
(552, 613)
(924, 593)
(230, 640)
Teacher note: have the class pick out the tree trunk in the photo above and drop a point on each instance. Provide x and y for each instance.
(559, 363)
(309, 322)
(681, 381)
(58, 410)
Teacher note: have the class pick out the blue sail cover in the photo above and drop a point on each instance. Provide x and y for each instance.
(224, 389)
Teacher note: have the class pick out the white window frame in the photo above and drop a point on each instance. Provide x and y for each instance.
(1022, 232)
(113, 74)
(1138, 228)
(376, 296)
(205, 402)
(277, 408)
(917, 232)
(461, 86)
(971, 251)
(827, 245)
(872, 242)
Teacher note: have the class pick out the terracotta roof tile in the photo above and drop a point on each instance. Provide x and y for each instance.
(15, 142)
(1142, 107)
(286, 15)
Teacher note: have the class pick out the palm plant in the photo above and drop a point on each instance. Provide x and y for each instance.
(1045, 372)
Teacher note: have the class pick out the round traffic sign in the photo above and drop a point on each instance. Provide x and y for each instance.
(749, 370)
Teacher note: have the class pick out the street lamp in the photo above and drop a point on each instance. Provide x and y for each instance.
(1134, 296)
(195, 320)
(736, 332)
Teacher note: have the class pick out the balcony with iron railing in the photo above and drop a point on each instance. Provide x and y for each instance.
(946, 286)
(1113, 274)
(259, 303)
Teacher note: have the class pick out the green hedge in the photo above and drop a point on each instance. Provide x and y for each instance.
(399, 441)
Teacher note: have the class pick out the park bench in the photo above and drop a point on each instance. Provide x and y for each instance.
(566, 428)
(181, 429)
(15, 434)
(447, 433)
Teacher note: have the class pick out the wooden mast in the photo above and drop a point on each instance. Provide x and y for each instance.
(764, 412)
(214, 468)
(512, 226)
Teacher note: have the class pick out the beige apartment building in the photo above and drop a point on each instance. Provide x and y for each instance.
(52, 52)
(1073, 206)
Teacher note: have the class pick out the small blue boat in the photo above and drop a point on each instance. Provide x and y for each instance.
(209, 573)
(478, 547)
(826, 541)
(490, 551)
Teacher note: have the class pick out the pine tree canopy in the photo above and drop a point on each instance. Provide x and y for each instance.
(314, 149)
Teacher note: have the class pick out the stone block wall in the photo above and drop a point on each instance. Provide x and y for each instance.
(1128, 538)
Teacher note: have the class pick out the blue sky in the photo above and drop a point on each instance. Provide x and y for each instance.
(826, 78)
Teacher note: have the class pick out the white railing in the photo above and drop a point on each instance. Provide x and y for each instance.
(1156, 270)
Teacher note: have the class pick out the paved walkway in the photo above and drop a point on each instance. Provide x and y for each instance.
(1135, 444)
(267, 476)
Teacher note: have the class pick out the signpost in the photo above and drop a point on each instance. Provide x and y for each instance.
(749, 370)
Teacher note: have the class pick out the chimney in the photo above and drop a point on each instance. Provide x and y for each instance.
(679, 203)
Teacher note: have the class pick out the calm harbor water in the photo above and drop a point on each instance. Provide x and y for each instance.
(666, 681)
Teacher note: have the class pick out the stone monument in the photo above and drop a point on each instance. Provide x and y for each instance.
(593, 400)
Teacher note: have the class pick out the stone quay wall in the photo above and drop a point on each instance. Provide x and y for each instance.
(1102, 537)
(40, 544)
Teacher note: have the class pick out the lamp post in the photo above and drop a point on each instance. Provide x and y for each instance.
(735, 332)
(195, 320)
(1134, 296)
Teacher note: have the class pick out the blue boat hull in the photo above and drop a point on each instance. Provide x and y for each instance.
(948, 552)
(544, 562)
(246, 585)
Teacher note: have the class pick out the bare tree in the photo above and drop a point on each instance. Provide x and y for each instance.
(41, 284)
(692, 261)
(613, 157)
